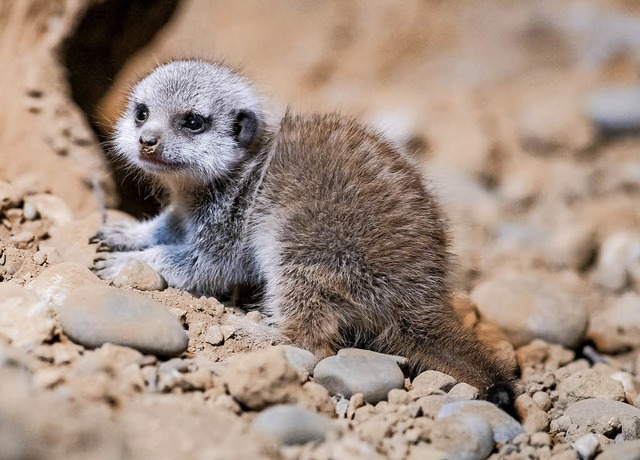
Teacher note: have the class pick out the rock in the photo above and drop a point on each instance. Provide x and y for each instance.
(615, 109)
(504, 427)
(214, 336)
(138, 275)
(432, 382)
(24, 317)
(618, 261)
(617, 327)
(22, 239)
(262, 378)
(96, 315)
(56, 281)
(528, 306)
(354, 371)
(463, 437)
(300, 359)
(590, 383)
(586, 446)
(50, 207)
(292, 425)
(463, 391)
(622, 451)
(597, 414)
(555, 124)
(534, 419)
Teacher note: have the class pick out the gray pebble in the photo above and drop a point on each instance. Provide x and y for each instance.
(504, 427)
(292, 425)
(463, 437)
(299, 358)
(528, 306)
(96, 315)
(214, 336)
(616, 109)
(138, 275)
(432, 382)
(586, 446)
(354, 371)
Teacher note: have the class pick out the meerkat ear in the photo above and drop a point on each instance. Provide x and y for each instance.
(245, 127)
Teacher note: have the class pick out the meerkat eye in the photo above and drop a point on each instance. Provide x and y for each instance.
(141, 113)
(194, 123)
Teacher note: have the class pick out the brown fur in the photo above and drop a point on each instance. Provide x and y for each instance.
(361, 251)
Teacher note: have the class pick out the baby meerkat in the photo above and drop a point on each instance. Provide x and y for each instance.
(336, 225)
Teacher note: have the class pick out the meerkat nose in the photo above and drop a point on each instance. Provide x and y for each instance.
(148, 140)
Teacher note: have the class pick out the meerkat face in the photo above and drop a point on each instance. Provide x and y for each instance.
(189, 119)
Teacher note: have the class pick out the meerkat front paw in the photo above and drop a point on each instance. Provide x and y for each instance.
(123, 235)
(107, 266)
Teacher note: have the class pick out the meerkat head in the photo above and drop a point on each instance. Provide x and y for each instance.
(191, 120)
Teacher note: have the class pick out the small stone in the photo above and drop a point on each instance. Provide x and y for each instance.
(96, 315)
(618, 256)
(616, 108)
(138, 275)
(432, 382)
(262, 378)
(300, 359)
(590, 383)
(29, 211)
(40, 257)
(292, 425)
(504, 427)
(572, 246)
(542, 400)
(355, 402)
(354, 371)
(255, 316)
(22, 239)
(463, 437)
(228, 331)
(398, 397)
(214, 336)
(617, 327)
(49, 206)
(586, 446)
(534, 419)
(463, 390)
(540, 439)
(630, 428)
(621, 451)
(529, 306)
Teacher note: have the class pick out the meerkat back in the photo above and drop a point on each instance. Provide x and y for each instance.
(354, 249)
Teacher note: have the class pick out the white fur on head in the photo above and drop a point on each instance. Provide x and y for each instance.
(172, 90)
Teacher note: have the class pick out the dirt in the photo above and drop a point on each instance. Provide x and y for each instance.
(491, 99)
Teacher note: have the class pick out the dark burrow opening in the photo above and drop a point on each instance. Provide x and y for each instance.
(110, 33)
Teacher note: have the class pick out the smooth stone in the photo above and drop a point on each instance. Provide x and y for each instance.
(56, 281)
(597, 413)
(586, 446)
(623, 451)
(138, 275)
(354, 371)
(25, 318)
(463, 437)
(617, 327)
(214, 335)
(528, 306)
(618, 261)
(504, 427)
(292, 425)
(432, 382)
(93, 316)
(299, 358)
(616, 108)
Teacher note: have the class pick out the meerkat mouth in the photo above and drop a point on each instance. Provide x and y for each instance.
(156, 162)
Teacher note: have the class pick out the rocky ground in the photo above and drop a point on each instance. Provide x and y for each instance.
(526, 119)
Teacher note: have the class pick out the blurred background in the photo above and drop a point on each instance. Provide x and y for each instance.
(525, 115)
